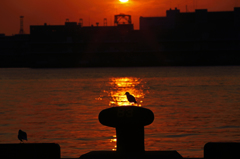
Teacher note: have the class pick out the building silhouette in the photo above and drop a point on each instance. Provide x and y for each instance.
(210, 24)
(191, 38)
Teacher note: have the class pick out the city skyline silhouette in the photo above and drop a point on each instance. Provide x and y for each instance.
(93, 11)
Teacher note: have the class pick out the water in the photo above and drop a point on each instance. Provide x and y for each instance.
(192, 106)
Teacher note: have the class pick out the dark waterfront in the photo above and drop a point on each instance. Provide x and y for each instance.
(192, 106)
(200, 38)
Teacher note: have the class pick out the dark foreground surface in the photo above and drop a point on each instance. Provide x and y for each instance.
(53, 151)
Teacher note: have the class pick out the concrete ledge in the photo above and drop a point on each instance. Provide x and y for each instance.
(222, 150)
(146, 155)
(30, 151)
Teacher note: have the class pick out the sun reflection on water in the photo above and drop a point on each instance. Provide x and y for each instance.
(115, 91)
(114, 140)
(119, 86)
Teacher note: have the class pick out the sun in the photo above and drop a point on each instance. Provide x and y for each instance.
(123, 1)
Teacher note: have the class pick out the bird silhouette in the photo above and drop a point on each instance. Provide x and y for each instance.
(130, 98)
(22, 135)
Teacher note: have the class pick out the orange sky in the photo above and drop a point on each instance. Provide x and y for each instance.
(55, 12)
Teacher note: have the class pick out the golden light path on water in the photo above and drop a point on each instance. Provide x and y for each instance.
(123, 1)
(118, 87)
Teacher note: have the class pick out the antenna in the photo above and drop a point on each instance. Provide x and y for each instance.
(81, 21)
(105, 21)
(21, 25)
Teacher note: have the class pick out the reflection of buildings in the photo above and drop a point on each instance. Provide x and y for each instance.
(197, 38)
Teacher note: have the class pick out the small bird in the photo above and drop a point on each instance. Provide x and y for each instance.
(130, 98)
(22, 135)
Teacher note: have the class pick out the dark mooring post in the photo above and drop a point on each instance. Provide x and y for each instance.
(129, 122)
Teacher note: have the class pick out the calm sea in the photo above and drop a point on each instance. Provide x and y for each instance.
(192, 106)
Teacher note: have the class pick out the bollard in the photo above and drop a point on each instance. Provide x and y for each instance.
(129, 122)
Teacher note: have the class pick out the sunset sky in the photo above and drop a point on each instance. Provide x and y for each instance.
(55, 12)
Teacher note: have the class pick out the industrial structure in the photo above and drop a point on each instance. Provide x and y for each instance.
(21, 25)
(190, 38)
(126, 19)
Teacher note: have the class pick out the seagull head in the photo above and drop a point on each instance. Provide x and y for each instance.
(127, 93)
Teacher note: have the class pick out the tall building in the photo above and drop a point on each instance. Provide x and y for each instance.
(209, 24)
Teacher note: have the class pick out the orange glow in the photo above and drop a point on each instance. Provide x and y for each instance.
(123, 1)
(55, 12)
(114, 140)
(119, 86)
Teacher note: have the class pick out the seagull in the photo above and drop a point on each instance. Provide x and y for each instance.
(130, 98)
(22, 135)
